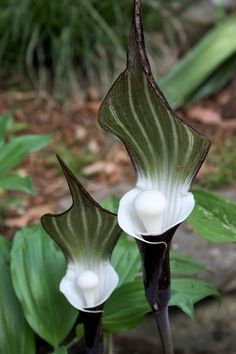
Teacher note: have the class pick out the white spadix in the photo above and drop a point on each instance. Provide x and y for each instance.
(150, 206)
(87, 282)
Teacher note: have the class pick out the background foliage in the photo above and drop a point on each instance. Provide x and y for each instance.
(66, 45)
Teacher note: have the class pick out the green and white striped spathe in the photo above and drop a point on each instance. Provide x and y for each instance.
(164, 150)
(85, 232)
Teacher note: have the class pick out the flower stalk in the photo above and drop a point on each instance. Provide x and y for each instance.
(92, 322)
(162, 319)
(157, 281)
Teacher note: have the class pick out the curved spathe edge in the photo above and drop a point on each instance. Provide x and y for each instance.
(108, 281)
(63, 227)
(179, 207)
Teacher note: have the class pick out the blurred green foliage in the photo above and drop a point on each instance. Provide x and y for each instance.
(13, 150)
(214, 217)
(222, 159)
(62, 38)
(201, 65)
(66, 45)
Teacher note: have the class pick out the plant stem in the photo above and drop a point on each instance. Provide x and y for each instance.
(156, 276)
(162, 319)
(92, 322)
(72, 343)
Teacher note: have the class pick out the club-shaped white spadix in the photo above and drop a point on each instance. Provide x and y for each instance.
(150, 206)
(88, 282)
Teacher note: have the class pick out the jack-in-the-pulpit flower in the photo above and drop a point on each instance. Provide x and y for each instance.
(165, 151)
(166, 154)
(87, 235)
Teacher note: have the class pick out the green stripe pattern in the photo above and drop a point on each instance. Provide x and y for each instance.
(85, 232)
(164, 150)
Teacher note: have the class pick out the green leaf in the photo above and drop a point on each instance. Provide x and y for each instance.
(17, 149)
(126, 260)
(61, 350)
(195, 289)
(126, 308)
(216, 47)
(15, 182)
(15, 334)
(187, 292)
(125, 257)
(183, 265)
(5, 250)
(85, 230)
(37, 267)
(213, 218)
(13, 202)
(4, 120)
(79, 331)
(111, 204)
(17, 127)
(216, 81)
(184, 303)
(164, 150)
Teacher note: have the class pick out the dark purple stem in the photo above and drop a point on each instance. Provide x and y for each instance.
(162, 319)
(156, 276)
(93, 332)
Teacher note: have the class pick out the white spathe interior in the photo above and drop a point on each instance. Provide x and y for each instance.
(179, 204)
(88, 286)
(88, 283)
(150, 206)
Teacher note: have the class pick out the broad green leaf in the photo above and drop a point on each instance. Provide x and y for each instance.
(15, 182)
(165, 151)
(183, 265)
(5, 250)
(126, 308)
(85, 230)
(184, 303)
(187, 292)
(37, 266)
(195, 289)
(213, 218)
(111, 204)
(61, 350)
(15, 334)
(17, 149)
(126, 260)
(125, 257)
(216, 47)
